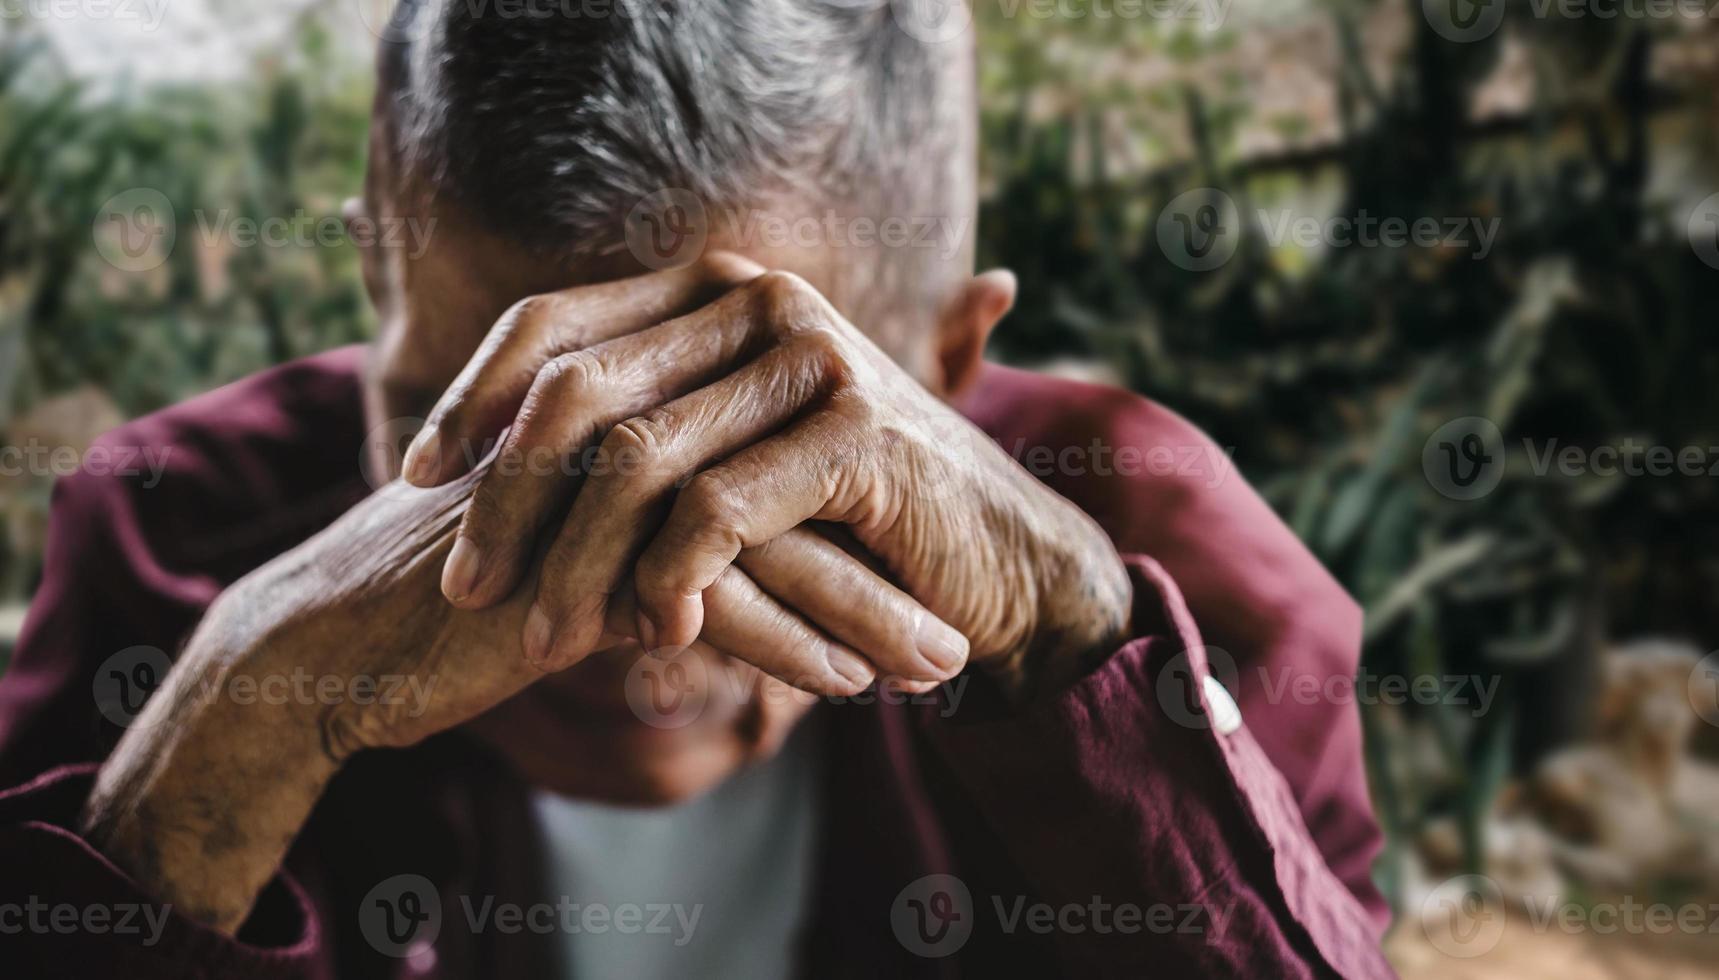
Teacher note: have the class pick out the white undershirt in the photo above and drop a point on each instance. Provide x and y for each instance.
(721, 883)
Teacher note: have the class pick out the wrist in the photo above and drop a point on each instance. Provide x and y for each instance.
(1083, 607)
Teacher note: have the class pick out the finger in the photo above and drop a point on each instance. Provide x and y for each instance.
(746, 623)
(817, 578)
(802, 474)
(492, 386)
(642, 459)
(574, 399)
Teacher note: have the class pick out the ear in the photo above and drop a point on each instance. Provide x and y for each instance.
(966, 324)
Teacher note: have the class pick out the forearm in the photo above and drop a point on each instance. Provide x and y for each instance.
(202, 797)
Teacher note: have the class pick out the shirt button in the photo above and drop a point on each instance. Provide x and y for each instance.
(1226, 717)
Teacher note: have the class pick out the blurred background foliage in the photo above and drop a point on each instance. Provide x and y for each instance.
(1324, 370)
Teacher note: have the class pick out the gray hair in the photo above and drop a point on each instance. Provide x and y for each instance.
(549, 119)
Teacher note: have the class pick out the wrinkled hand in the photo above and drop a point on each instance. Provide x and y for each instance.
(362, 599)
(719, 407)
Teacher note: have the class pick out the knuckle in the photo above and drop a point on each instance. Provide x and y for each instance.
(710, 500)
(856, 410)
(786, 301)
(825, 347)
(526, 316)
(636, 446)
(574, 374)
(725, 268)
(561, 384)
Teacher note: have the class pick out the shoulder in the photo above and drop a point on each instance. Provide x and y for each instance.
(1127, 460)
(201, 487)
(162, 514)
(1162, 487)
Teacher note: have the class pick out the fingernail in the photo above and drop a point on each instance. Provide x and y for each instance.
(423, 457)
(941, 645)
(647, 632)
(850, 667)
(538, 634)
(459, 575)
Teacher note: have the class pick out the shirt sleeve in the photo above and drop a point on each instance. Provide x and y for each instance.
(67, 911)
(1131, 788)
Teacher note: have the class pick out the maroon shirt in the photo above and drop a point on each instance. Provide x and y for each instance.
(1241, 854)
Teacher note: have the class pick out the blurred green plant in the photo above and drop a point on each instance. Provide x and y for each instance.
(1591, 322)
(291, 140)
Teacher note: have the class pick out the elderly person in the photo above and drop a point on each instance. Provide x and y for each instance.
(724, 619)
